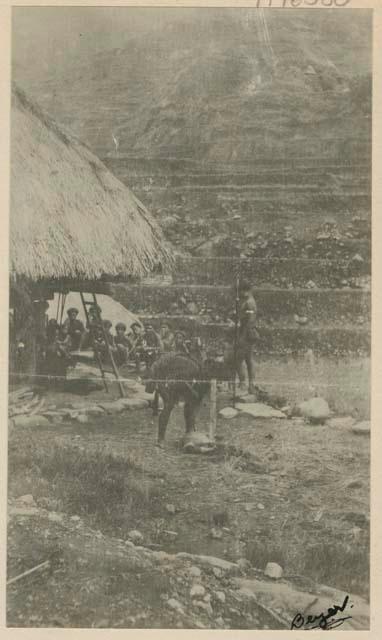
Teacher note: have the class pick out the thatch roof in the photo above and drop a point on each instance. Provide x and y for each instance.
(70, 217)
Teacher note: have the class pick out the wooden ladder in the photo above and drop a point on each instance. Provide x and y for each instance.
(94, 303)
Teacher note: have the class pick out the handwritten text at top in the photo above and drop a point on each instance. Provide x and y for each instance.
(291, 4)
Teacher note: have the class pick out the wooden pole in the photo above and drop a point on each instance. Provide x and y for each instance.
(39, 567)
(212, 426)
(97, 356)
(109, 353)
(236, 337)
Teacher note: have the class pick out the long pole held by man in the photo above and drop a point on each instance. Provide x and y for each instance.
(235, 343)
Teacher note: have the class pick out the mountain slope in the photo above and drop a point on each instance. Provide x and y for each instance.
(204, 88)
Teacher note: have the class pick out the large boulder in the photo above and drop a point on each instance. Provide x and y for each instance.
(228, 413)
(197, 442)
(315, 410)
(361, 428)
(259, 410)
(30, 421)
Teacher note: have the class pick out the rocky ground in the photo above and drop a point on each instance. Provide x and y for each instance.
(116, 517)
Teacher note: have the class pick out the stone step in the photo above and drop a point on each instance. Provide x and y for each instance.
(320, 306)
(273, 272)
(331, 341)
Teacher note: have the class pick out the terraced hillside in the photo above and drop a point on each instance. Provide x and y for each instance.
(314, 317)
(200, 210)
(191, 111)
(244, 160)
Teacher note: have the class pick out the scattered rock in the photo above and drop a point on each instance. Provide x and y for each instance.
(30, 421)
(75, 518)
(118, 406)
(170, 509)
(205, 606)
(134, 403)
(175, 605)
(82, 418)
(220, 621)
(219, 563)
(249, 398)
(217, 572)
(195, 572)
(361, 428)
(55, 517)
(216, 534)
(228, 413)
(197, 591)
(273, 570)
(197, 442)
(311, 285)
(341, 421)
(244, 564)
(259, 410)
(220, 596)
(135, 536)
(162, 556)
(24, 511)
(192, 309)
(357, 258)
(27, 499)
(316, 410)
(260, 506)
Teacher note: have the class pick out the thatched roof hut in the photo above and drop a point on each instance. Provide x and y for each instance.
(70, 217)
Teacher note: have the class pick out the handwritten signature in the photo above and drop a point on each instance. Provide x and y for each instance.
(322, 620)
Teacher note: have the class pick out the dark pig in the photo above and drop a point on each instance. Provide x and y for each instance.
(175, 377)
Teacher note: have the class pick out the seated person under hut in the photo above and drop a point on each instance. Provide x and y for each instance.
(167, 337)
(100, 337)
(123, 344)
(75, 328)
(57, 351)
(93, 327)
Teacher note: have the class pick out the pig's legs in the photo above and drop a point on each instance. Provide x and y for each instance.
(164, 417)
(191, 407)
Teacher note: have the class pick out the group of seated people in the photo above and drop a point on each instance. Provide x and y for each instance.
(139, 344)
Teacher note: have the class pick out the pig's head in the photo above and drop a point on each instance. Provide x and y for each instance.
(218, 362)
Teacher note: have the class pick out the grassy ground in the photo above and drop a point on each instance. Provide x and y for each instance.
(308, 510)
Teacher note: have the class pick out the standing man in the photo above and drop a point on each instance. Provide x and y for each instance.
(247, 337)
(153, 345)
(137, 344)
